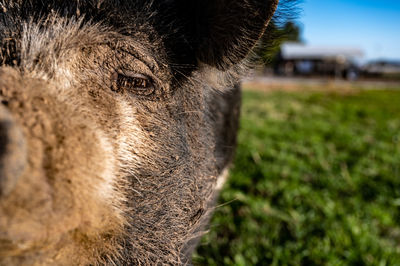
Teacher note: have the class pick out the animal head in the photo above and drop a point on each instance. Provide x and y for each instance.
(117, 118)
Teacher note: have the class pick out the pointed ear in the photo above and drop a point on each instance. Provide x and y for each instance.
(221, 33)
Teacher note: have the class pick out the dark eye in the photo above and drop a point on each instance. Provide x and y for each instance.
(137, 84)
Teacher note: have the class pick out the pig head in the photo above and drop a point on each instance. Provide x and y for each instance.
(118, 120)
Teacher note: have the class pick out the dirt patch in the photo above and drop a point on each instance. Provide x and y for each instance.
(269, 84)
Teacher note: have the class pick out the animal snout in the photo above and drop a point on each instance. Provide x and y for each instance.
(12, 152)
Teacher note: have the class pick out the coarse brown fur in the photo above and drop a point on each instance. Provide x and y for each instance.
(117, 118)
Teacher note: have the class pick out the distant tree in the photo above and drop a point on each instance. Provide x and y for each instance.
(291, 31)
(275, 35)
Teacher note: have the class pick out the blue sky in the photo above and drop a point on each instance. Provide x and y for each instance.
(372, 25)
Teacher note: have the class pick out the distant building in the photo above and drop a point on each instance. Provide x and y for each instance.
(301, 59)
(382, 67)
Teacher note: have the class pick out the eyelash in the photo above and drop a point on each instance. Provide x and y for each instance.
(136, 84)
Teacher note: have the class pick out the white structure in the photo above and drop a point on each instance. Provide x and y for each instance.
(296, 51)
(297, 58)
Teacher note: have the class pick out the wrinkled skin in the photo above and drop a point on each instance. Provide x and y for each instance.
(118, 119)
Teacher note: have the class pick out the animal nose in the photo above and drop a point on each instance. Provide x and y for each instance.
(12, 152)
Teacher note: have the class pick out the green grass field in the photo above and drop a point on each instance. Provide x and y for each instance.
(316, 181)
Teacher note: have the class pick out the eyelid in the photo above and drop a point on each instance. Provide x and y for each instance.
(132, 74)
(133, 83)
